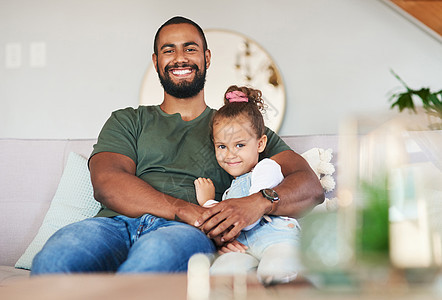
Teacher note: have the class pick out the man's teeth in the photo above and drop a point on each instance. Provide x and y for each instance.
(181, 72)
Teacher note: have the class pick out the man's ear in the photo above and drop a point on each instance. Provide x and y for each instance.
(154, 61)
(208, 55)
(262, 142)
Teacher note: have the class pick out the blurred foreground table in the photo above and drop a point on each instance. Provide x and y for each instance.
(174, 286)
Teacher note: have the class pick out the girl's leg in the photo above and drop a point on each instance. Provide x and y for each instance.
(234, 263)
(279, 263)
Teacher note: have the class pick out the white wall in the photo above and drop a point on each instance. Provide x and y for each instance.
(334, 56)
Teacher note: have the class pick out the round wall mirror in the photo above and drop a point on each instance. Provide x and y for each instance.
(236, 60)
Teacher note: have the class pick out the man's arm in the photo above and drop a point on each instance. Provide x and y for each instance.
(117, 187)
(299, 192)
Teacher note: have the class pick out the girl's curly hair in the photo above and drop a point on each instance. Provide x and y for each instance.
(252, 109)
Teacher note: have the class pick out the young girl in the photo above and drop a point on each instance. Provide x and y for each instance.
(270, 245)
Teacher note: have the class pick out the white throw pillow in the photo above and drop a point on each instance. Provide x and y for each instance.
(72, 202)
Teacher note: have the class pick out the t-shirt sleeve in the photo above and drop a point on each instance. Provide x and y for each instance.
(266, 174)
(274, 145)
(119, 134)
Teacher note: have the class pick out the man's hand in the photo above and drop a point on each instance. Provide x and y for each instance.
(190, 213)
(226, 247)
(230, 216)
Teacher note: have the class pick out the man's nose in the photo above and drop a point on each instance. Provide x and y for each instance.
(180, 56)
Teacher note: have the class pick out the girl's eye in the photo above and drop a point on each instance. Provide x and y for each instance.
(221, 147)
(240, 145)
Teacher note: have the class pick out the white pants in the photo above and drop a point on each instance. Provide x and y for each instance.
(279, 263)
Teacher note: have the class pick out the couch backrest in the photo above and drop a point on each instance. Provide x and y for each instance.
(29, 174)
(30, 171)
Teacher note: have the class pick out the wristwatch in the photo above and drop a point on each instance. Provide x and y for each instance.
(272, 196)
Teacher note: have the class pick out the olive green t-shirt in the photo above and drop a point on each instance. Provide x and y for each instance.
(169, 153)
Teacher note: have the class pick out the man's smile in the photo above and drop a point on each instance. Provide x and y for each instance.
(181, 72)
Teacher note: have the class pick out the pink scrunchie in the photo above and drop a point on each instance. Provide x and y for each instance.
(237, 96)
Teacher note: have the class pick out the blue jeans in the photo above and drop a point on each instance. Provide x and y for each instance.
(121, 244)
(280, 230)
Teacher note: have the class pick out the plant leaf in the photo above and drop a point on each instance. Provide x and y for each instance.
(400, 80)
(435, 104)
(403, 101)
(424, 94)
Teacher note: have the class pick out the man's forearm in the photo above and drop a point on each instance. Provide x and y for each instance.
(301, 190)
(296, 202)
(131, 196)
(116, 187)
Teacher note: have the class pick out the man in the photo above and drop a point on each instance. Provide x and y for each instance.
(142, 170)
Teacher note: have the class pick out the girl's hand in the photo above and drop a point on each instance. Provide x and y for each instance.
(234, 246)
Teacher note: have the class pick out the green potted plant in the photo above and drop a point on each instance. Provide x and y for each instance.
(431, 102)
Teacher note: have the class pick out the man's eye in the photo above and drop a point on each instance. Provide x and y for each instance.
(167, 51)
(190, 49)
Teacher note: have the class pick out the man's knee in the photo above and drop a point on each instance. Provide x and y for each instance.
(85, 246)
(166, 249)
(52, 258)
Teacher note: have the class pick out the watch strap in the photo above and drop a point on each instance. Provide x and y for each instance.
(274, 205)
(274, 200)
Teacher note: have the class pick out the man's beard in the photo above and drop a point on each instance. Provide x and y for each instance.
(183, 89)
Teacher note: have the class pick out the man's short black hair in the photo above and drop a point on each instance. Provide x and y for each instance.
(179, 20)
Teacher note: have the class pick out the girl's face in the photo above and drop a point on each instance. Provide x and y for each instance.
(237, 147)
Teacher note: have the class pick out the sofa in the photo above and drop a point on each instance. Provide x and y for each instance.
(32, 172)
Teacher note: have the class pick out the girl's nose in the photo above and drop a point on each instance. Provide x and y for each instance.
(231, 153)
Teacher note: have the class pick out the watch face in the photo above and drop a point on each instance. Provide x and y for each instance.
(270, 194)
